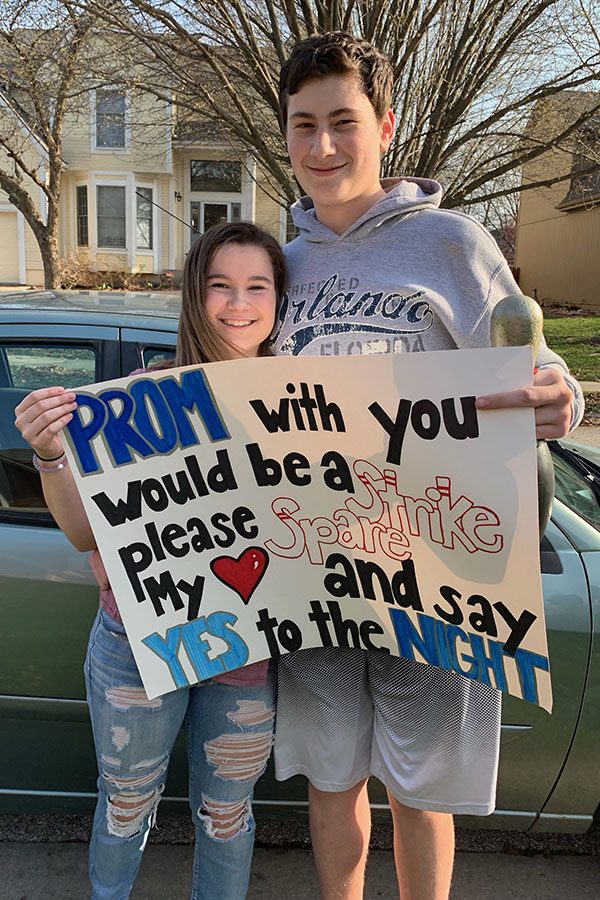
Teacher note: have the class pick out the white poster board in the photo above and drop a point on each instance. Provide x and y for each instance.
(250, 508)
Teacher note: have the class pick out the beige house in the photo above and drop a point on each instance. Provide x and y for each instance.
(558, 227)
(134, 195)
(20, 261)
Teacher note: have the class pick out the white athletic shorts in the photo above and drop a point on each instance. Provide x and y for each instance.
(431, 736)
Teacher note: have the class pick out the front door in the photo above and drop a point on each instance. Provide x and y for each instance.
(204, 214)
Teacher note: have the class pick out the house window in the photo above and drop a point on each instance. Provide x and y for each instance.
(111, 115)
(144, 218)
(25, 367)
(210, 175)
(112, 225)
(82, 216)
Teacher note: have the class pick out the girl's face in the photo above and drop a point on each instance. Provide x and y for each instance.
(240, 296)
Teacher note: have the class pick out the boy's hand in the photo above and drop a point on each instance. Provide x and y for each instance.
(550, 396)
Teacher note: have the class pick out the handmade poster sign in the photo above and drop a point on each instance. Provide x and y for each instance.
(250, 508)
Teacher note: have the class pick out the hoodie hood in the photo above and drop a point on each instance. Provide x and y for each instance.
(403, 196)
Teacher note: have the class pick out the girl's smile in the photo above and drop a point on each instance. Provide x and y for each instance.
(240, 296)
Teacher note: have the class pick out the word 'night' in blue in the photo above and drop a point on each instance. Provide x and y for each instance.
(192, 637)
(122, 418)
(435, 642)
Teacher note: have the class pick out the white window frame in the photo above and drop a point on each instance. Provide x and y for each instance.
(125, 180)
(93, 146)
(150, 249)
(155, 252)
(78, 246)
(121, 183)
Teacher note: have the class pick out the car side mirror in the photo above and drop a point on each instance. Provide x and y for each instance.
(518, 321)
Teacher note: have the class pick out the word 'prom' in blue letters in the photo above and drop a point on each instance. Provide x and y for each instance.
(122, 418)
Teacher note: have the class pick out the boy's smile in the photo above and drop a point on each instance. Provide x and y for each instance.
(335, 144)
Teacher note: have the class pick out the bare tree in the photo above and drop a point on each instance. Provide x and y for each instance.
(468, 74)
(42, 55)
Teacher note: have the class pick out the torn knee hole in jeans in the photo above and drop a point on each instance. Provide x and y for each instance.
(113, 761)
(126, 696)
(144, 772)
(251, 712)
(120, 737)
(223, 821)
(127, 812)
(240, 757)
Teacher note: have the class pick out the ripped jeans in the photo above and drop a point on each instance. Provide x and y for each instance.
(229, 736)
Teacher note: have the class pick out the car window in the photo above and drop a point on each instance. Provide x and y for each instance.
(25, 367)
(575, 490)
(152, 356)
(39, 366)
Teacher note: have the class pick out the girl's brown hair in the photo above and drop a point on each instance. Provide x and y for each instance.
(197, 339)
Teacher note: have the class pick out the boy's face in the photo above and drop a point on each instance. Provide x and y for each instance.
(335, 144)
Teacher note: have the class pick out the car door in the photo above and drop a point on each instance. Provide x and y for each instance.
(47, 596)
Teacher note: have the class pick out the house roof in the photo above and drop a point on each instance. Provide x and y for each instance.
(25, 122)
(584, 189)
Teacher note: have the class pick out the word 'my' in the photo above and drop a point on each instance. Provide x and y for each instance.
(151, 417)
(308, 412)
(426, 421)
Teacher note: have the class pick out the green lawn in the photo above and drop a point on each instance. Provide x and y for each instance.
(577, 340)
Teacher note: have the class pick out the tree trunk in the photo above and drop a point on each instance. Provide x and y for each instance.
(48, 245)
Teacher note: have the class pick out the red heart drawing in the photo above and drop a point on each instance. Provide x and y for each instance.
(243, 574)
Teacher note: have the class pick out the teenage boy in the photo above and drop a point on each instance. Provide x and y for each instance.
(378, 267)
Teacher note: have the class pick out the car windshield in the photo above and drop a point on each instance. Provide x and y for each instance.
(575, 487)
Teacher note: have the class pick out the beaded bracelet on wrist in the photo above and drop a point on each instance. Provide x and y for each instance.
(60, 463)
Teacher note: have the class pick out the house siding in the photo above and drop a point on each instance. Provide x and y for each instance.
(557, 250)
(27, 258)
(267, 213)
(558, 254)
(9, 246)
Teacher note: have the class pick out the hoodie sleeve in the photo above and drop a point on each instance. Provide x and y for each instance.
(501, 284)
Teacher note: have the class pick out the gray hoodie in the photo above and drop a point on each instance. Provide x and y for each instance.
(406, 276)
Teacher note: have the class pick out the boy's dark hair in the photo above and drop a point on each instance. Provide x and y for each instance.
(337, 53)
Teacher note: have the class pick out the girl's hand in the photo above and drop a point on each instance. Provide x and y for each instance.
(41, 416)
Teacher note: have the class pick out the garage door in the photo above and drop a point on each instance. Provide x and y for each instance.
(9, 249)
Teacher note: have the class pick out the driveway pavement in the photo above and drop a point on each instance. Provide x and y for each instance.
(44, 857)
(58, 872)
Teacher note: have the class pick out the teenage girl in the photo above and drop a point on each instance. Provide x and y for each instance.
(233, 279)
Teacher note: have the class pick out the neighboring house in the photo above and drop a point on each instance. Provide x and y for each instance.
(20, 261)
(132, 188)
(558, 227)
